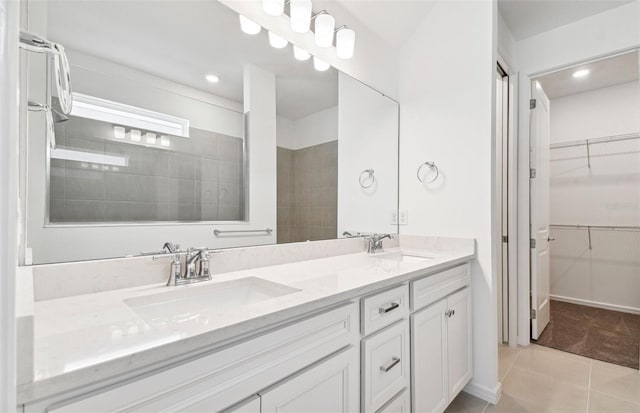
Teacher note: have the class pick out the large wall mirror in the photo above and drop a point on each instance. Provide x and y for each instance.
(184, 128)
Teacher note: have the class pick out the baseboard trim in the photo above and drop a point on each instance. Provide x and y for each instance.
(597, 304)
(485, 393)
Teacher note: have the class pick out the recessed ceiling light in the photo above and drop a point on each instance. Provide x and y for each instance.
(212, 78)
(581, 73)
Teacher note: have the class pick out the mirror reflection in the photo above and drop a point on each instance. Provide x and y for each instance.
(181, 129)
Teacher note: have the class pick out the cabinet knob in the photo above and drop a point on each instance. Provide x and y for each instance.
(450, 313)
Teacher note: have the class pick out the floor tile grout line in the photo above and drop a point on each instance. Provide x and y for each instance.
(486, 406)
(506, 373)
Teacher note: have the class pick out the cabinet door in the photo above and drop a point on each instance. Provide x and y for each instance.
(459, 340)
(328, 387)
(429, 359)
(400, 404)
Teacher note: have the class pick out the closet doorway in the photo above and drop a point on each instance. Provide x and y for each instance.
(585, 209)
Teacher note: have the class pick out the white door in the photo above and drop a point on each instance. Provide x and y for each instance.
(459, 349)
(539, 132)
(429, 359)
(329, 387)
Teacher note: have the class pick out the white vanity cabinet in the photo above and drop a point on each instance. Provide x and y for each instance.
(406, 348)
(441, 362)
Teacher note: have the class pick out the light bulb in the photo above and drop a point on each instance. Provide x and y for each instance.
(580, 73)
(320, 65)
(277, 41)
(273, 7)
(300, 54)
(211, 78)
(150, 138)
(345, 43)
(135, 135)
(300, 15)
(165, 141)
(119, 132)
(325, 26)
(249, 26)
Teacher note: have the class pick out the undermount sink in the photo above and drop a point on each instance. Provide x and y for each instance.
(190, 303)
(405, 257)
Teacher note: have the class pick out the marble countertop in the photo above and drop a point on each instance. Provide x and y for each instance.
(88, 338)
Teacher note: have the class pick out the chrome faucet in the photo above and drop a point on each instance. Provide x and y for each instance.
(196, 264)
(374, 242)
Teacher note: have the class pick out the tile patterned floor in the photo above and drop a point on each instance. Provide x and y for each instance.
(540, 379)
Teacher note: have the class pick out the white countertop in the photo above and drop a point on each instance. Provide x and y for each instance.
(88, 338)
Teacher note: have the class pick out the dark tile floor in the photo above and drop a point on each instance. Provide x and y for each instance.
(600, 334)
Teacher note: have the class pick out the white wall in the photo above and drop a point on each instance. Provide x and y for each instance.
(367, 131)
(314, 129)
(608, 193)
(447, 90)
(596, 36)
(9, 59)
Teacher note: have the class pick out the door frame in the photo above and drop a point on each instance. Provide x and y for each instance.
(523, 247)
(512, 205)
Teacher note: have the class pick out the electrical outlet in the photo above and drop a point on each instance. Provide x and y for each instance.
(404, 217)
(394, 218)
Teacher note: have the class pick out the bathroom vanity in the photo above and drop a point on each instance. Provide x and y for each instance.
(385, 332)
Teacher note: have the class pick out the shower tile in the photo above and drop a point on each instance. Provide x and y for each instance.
(228, 172)
(130, 211)
(182, 191)
(207, 169)
(84, 184)
(182, 166)
(130, 187)
(84, 211)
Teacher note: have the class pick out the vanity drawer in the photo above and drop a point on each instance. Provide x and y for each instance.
(385, 308)
(385, 365)
(401, 403)
(432, 288)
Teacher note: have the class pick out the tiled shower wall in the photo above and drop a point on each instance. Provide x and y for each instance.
(308, 193)
(199, 178)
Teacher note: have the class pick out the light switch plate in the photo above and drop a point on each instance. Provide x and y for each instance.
(404, 217)
(394, 218)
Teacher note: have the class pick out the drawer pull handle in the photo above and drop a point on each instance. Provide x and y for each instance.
(389, 308)
(450, 313)
(390, 364)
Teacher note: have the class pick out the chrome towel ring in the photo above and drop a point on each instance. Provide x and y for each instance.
(432, 166)
(367, 173)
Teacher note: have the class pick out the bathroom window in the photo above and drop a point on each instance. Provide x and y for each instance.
(106, 172)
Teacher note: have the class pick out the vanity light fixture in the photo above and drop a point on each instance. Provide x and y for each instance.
(90, 107)
(150, 138)
(135, 135)
(165, 141)
(119, 132)
(581, 73)
(320, 65)
(277, 41)
(300, 54)
(300, 11)
(324, 27)
(211, 78)
(249, 26)
(345, 42)
(273, 7)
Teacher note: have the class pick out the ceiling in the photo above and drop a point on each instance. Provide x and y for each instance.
(526, 18)
(604, 73)
(184, 40)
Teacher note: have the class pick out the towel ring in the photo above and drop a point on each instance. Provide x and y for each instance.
(431, 165)
(367, 173)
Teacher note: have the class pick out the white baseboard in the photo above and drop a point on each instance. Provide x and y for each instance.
(485, 393)
(597, 304)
